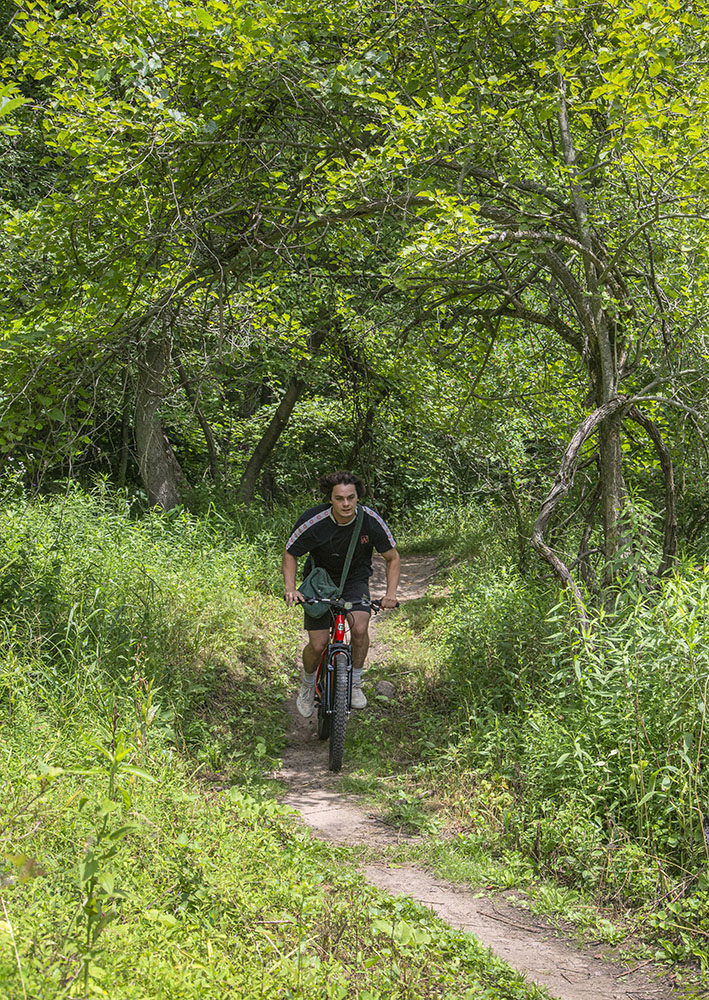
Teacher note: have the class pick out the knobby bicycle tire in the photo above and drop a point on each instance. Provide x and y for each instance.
(338, 719)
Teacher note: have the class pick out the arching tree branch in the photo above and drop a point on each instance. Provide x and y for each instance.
(562, 484)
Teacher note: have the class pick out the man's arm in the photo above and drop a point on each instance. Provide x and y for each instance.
(289, 565)
(393, 569)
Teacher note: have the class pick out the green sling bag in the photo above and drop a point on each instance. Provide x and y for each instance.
(318, 583)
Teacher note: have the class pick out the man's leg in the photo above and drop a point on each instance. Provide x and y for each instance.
(359, 635)
(317, 641)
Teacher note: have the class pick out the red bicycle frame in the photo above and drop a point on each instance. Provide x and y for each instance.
(337, 644)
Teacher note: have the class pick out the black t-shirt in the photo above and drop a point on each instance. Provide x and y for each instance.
(316, 532)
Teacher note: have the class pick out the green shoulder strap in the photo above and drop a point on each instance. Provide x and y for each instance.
(350, 552)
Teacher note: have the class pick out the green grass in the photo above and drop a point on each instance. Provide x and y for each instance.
(144, 663)
(143, 670)
(159, 887)
(573, 767)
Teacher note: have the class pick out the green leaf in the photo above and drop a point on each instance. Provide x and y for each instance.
(107, 881)
(88, 868)
(121, 832)
(139, 773)
(204, 18)
(10, 104)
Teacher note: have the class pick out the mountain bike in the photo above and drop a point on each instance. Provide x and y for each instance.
(333, 681)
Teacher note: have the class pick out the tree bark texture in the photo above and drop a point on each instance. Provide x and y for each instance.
(160, 471)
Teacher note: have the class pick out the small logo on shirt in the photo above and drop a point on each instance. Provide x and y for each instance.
(364, 540)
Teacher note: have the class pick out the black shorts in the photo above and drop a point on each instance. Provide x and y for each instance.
(353, 592)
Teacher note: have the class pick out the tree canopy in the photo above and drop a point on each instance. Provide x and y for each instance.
(460, 246)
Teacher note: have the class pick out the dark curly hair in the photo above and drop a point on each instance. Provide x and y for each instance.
(332, 479)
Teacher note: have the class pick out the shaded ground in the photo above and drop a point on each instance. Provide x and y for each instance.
(524, 941)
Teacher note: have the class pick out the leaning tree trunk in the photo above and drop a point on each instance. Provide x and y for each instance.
(267, 442)
(276, 426)
(562, 484)
(160, 471)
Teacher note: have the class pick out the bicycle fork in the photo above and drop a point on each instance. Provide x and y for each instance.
(325, 682)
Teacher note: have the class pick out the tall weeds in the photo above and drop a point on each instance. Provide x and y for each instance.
(602, 743)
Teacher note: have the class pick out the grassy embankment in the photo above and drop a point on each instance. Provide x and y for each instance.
(142, 853)
(582, 764)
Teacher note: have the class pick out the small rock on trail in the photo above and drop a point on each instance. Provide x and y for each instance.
(386, 689)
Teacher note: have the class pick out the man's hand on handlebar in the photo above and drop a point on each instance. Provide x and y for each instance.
(293, 597)
(388, 602)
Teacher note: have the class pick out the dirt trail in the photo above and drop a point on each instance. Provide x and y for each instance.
(525, 942)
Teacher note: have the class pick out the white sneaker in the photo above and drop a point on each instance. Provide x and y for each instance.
(305, 702)
(359, 699)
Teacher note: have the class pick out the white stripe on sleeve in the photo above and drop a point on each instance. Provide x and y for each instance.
(305, 525)
(382, 522)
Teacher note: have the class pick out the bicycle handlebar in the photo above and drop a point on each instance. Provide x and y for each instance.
(345, 605)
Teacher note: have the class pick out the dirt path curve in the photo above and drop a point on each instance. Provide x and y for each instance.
(522, 940)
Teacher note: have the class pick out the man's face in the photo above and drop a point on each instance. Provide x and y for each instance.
(344, 502)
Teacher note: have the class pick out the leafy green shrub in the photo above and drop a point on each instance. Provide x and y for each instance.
(97, 605)
(682, 923)
(617, 723)
(493, 626)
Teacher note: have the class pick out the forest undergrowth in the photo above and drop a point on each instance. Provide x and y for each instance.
(145, 661)
(577, 762)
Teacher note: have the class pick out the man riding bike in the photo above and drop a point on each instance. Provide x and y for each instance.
(324, 533)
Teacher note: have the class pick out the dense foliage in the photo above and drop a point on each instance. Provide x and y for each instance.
(460, 248)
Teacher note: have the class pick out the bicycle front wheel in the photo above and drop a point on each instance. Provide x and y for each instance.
(338, 719)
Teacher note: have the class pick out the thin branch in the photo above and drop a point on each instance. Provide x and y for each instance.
(493, 336)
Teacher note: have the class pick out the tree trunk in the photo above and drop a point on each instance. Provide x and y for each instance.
(562, 484)
(613, 490)
(276, 426)
(277, 423)
(603, 366)
(160, 471)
